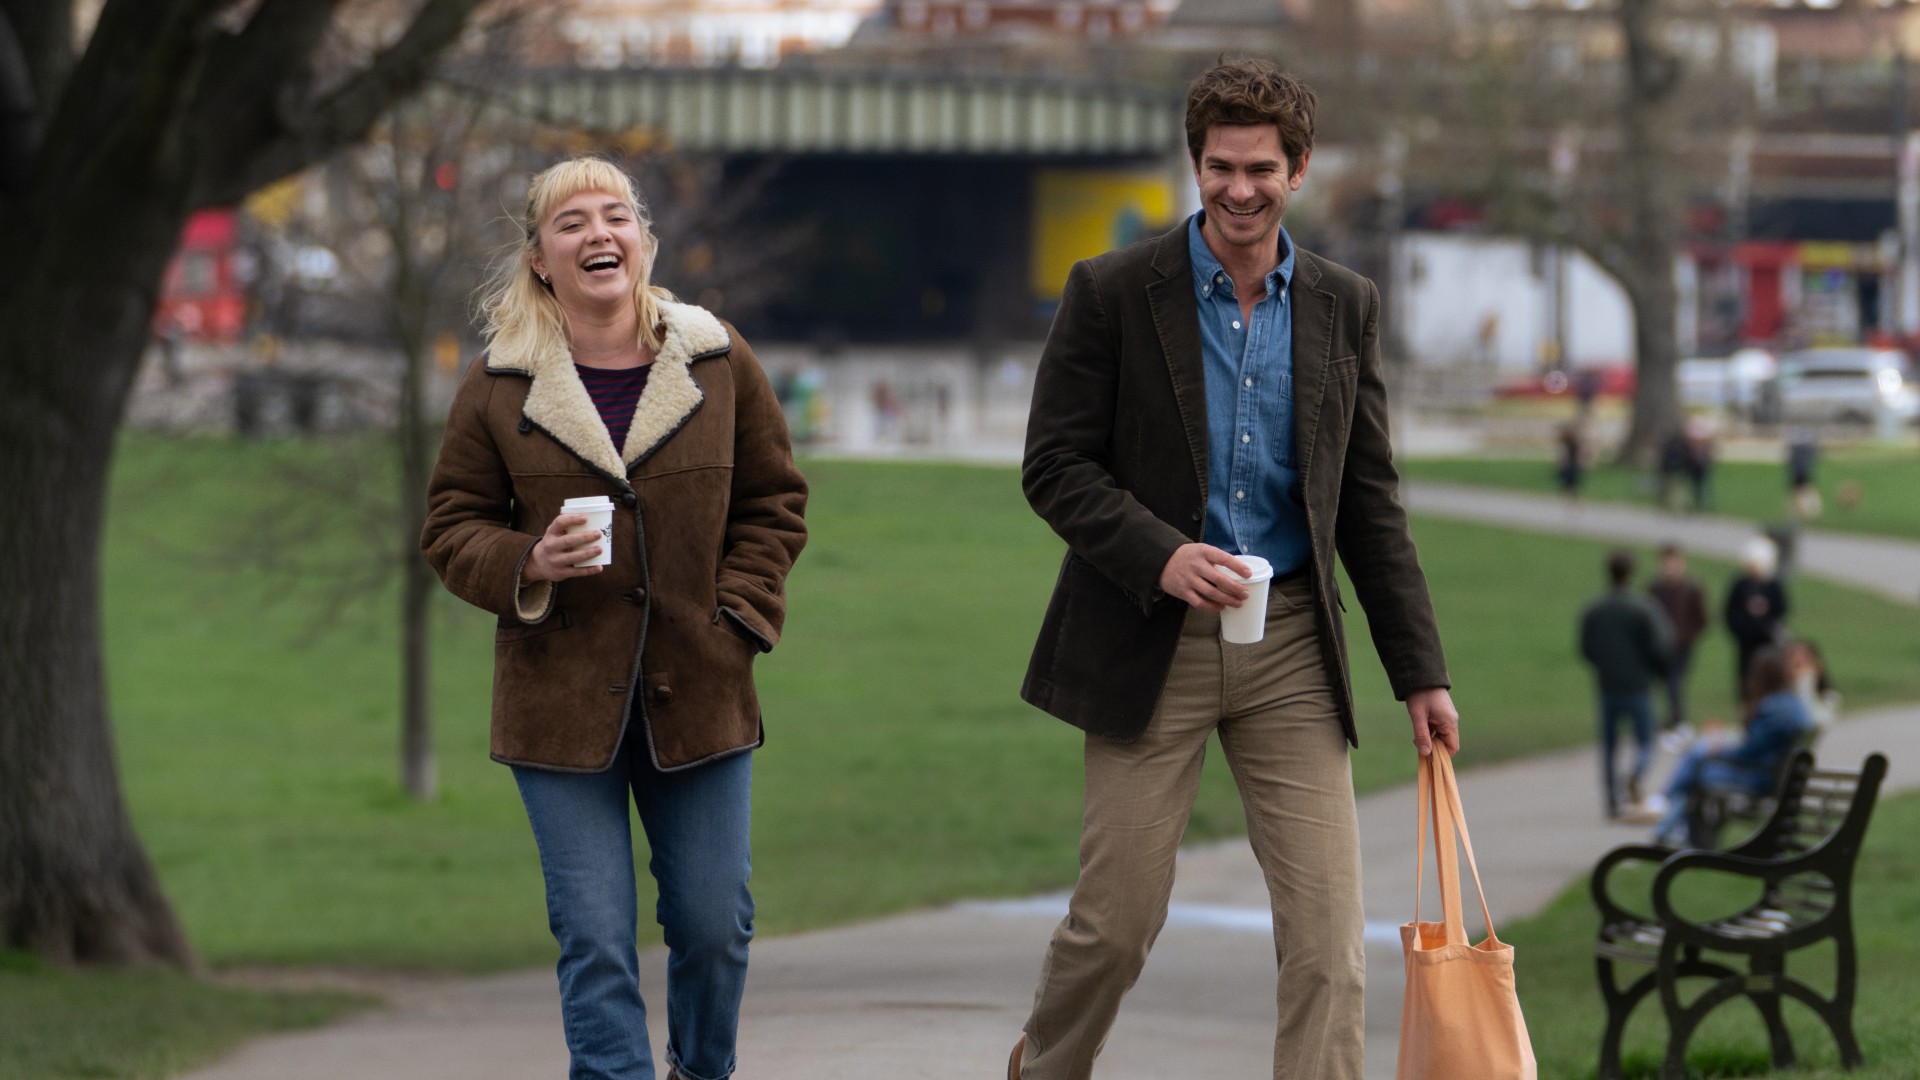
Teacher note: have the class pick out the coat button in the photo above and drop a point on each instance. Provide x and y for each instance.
(635, 596)
(629, 500)
(663, 693)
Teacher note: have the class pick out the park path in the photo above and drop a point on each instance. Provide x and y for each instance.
(940, 994)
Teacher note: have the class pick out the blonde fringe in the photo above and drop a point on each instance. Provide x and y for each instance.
(519, 314)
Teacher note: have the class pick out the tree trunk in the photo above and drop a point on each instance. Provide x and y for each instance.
(417, 583)
(1652, 212)
(75, 885)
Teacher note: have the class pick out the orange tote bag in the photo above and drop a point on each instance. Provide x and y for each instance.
(1461, 1017)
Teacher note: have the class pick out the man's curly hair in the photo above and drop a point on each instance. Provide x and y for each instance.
(1252, 91)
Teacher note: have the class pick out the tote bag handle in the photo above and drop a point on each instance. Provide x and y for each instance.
(1439, 793)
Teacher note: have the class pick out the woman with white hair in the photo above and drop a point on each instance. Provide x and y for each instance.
(627, 681)
(1756, 606)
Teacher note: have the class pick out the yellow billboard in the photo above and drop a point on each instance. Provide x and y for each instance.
(1079, 213)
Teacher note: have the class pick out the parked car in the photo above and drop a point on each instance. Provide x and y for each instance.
(1734, 383)
(1612, 380)
(1846, 385)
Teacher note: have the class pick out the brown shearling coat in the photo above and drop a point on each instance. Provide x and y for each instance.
(1116, 463)
(707, 522)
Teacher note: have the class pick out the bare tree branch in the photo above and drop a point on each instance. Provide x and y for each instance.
(138, 70)
(341, 117)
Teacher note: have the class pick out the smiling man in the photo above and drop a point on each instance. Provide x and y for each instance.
(1212, 393)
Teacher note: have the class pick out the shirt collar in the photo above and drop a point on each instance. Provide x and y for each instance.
(1206, 267)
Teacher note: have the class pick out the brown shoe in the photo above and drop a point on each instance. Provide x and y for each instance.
(1013, 1060)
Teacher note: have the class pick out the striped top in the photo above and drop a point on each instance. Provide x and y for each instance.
(616, 393)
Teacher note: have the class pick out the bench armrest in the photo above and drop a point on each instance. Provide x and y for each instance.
(1611, 912)
(1770, 871)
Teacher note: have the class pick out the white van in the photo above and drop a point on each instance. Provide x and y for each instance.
(1847, 385)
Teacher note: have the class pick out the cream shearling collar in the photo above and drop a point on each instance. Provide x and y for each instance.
(558, 404)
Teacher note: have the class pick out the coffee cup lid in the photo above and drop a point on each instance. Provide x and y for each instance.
(587, 502)
(1258, 569)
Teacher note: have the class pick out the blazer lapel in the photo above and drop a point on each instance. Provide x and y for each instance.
(1176, 319)
(1314, 310)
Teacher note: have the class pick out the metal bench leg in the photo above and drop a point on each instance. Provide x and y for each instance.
(1846, 975)
(1764, 988)
(1620, 1005)
(1683, 1020)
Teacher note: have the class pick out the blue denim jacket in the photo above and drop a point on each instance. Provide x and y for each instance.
(1777, 725)
(1253, 483)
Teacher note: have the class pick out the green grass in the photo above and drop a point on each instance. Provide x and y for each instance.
(259, 755)
(1561, 999)
(254, 708)
(61, 1025)
(1887, 482)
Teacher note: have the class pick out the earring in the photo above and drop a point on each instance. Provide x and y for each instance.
(543, 279)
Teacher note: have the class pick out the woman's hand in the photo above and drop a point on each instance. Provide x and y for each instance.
(553, 557)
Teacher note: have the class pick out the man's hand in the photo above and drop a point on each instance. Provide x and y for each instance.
(1433, 716)
(1205, 577)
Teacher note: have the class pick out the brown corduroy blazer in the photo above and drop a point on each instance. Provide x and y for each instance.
(1116, 463)
(707, 522)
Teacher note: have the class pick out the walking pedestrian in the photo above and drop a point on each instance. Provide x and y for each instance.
(1756, 606)
(1676, 459)
(1803, 496)
(630, 682)
(1684, 603)
(1157, 499)
(1627, 641)
(1570, 470)
(1702, 436)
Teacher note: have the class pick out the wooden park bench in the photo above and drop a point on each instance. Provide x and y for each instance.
(1802, 859)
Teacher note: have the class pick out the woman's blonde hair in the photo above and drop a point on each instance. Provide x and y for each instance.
(519, 309)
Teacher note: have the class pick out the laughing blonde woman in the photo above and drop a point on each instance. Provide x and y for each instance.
(632, 679)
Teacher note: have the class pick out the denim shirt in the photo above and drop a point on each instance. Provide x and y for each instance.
(1253, 485)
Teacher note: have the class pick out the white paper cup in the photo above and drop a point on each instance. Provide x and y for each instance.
(599, 512)
(1247, 623)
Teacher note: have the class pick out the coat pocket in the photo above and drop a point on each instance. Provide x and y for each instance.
(512, 630)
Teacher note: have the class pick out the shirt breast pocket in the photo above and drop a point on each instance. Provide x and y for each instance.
(1277, 418)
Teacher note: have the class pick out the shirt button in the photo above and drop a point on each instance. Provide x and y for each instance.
(1246, 438)
(1217, 279)
(1239, 494)
(1249, 382)
(1206, 290)
(1236, 324)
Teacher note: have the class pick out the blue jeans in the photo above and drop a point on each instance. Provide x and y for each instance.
(1699, 769)
(1637, 707)
(697, 825)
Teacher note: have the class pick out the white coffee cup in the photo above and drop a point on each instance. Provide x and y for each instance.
(599, 512)
(1247, 623)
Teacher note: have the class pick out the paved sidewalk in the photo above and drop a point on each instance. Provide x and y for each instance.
(940, 995)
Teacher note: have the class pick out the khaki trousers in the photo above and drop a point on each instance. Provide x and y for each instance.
(1279, 725)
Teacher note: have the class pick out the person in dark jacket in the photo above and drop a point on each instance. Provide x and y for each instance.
(1777, 720)
(1685, 604)
(1207, 395)
(1628, 642)
(1756, 607)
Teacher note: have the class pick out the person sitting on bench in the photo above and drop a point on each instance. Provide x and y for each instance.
(1776, 720)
